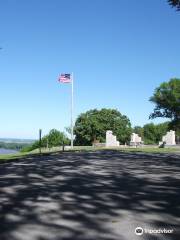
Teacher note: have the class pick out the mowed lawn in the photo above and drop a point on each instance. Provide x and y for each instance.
(98, 195)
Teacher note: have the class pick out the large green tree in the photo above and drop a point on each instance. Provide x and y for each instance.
(175, 3)
(92, 125)
(161, 130)
(167, 100)
(152, 133)
(149, 133)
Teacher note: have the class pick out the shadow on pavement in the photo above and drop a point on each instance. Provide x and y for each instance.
(100, 195)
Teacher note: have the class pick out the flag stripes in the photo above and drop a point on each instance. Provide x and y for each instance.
(65, 78)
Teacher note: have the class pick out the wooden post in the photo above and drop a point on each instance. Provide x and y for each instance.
(40, 142)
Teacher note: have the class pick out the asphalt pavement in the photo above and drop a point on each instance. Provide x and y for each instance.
(103, 195)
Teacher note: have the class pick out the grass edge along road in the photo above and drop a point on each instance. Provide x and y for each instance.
(16, 156)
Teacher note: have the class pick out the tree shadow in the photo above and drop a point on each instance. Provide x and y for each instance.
(100, 195)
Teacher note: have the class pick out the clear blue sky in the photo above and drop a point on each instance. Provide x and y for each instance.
(119, 51)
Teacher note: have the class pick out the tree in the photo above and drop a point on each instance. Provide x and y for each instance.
(153, 133)
(92, 125)
(175, 3)
(167, 100)
(139, 130)
(53, 139)
(149, 133)
(161, 130)
(56, 138)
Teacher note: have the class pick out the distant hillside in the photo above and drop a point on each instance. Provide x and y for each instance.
(17, 140)
(15, 144)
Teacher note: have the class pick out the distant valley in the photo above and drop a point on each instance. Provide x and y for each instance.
(17, 140)
(14, 144)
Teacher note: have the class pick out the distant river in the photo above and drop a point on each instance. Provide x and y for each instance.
(7, 151)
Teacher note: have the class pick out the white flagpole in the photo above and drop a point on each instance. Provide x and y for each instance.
(72, 93)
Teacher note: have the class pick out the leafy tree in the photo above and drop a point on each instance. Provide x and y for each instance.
(167, 100)
(161, 130)
(139, 130)
(92, 125)
(31, 147)
(175, 3)
(53, 139)
(153, 133)
(149, 133)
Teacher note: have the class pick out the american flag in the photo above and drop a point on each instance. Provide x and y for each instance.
(65, 78)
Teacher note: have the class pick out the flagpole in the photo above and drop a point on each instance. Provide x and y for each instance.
(72, 103)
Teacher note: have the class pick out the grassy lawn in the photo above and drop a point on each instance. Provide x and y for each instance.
(151, 150)
(6, 157)
(12, 156)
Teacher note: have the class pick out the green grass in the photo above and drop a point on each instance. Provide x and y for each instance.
(121, 149)
(6, 157)
(130, 149)
(151, 150)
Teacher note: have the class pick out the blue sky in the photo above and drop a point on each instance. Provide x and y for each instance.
(119, 51)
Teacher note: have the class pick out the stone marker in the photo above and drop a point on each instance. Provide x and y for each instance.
(111, 140)
(169, 138)
(135, 139)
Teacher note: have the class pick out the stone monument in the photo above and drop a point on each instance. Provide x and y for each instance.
(135, 139)
(111, 140)
(169, 138)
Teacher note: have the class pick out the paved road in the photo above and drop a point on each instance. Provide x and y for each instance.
(101, 195)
